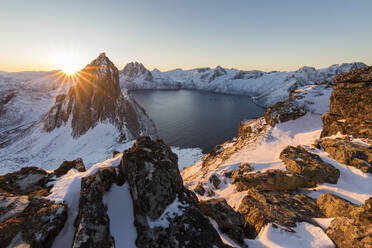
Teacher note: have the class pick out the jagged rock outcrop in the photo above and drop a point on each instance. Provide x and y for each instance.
(92, 225)
(249, 127)
(36, 226)
(96, 97)
(285, 110)
(309, 165)
(31, 181)
(353, 230)
(77, 164)
(25, 217)
(351, 105)
(345, 151)
(228, 220)
(166, 214)
(271, 180)
(282, 207)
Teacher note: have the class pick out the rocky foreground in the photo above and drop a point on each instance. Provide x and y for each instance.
(285, 175)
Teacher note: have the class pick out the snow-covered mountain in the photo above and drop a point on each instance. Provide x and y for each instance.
(265, 88)
(45, 120)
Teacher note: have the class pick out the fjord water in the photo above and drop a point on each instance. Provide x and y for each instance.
(188, 118)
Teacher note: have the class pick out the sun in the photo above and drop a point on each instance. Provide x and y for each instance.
(69, 65)
(69, 61)
(70, 69)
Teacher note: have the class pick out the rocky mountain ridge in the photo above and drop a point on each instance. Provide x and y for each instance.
(283, 181)
(97, 97)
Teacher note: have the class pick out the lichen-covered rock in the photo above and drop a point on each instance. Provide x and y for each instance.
(228, 220)
(347, 152)
(334, 206)
(285, 208)
(36, 224)
(350, 105)
(77, 164)
(308, 165)
(354, 230)
(27, 181)
(269, 180)
(284, 111)
(92, 223)
(166, 214)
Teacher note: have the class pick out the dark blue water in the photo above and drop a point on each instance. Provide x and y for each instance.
(187, 118)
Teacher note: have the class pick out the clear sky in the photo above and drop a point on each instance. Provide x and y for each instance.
(168, 34)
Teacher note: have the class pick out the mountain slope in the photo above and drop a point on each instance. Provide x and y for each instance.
(248, 172)
(265, 88)
(92, 107)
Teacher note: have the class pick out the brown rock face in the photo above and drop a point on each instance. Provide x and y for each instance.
(166, 214)
(308, 165)
(37, 225)
(351, 105)
(269, 180)
(285, 208)
(334, 206)
(347, 152)
(25, 217)
(92, 223)
(354, 230)
(97, 97)
(27, 181)
(229, 221)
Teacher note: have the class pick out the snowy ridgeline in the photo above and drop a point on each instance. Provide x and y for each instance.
(265, 88)
(263, 154)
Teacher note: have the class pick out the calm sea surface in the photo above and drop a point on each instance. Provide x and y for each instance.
(187, 118)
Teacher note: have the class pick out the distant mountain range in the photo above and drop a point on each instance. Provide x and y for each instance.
(265, 88)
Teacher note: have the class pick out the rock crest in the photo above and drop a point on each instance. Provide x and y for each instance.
(351, 105)
(166, 214)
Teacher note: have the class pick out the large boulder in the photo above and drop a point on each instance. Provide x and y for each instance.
(166, 213)
(228, 220)
(345, 151)
(92, 225)
(269, 180)
(354, 230)
(350, 105)
(282, 207)
(309, 165)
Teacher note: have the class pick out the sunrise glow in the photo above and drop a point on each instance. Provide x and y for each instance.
(69, 61)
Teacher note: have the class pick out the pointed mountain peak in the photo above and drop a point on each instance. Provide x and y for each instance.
(102, 60)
